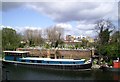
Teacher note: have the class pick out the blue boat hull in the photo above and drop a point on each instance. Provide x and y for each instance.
(53, 66)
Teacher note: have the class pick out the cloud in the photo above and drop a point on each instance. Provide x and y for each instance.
(21, 30)
(6, 26)
(74, 11)
(60, 0)
(6, 6)
(90, 33)
(86, 26)
(119, 15)
(32, 28)
(80, 29)
(65, 26)
(1, 26)
(62, 13)
(67, 11)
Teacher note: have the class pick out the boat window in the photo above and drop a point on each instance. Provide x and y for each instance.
(57, 57)
(20, 54)
(23, 55)
(6, 53)
(76, 59)
(39, 61)
(62, 57)
(32, 61)
(52, 57)
(47, 61)
(60, 62)
(23, 60)
(73, 62)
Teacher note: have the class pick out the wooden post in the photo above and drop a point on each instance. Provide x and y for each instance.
(55, 56)
(48, 53)
(92, 52)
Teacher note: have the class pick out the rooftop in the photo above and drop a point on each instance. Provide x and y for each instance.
(48, 59)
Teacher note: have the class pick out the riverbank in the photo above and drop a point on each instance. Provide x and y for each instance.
(95, 66)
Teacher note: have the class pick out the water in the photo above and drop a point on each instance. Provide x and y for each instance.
(15, 72)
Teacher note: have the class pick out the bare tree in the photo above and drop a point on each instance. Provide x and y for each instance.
(34, 37)
(38, 37)
(28, 34)
(54, 35)
(104, 28)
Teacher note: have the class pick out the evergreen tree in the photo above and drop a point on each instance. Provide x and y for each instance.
(10, 39)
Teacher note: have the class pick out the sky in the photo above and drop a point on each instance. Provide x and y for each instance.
(75, 16)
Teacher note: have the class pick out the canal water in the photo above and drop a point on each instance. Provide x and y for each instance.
(15, 72)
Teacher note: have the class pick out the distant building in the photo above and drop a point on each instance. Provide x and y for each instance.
(82, 36)
(91, 40)
(72, 38)
(78, 38)
(68, 37)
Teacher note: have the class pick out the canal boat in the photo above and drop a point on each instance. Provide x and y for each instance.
(23, 58)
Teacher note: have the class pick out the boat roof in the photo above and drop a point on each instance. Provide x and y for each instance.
(49, 59)
(16, 51)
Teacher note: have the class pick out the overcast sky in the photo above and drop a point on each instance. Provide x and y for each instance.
(76, 17)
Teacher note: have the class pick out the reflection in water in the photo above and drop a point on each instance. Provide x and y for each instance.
(28, 73)
(116, 76)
